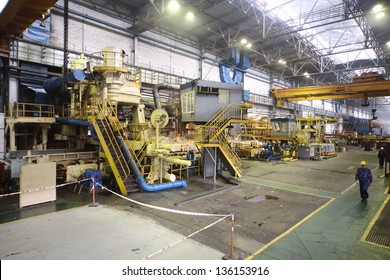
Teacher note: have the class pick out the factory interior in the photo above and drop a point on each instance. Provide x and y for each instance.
(194, 130)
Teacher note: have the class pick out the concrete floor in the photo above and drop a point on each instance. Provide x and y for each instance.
(94, 233)
(295, 191)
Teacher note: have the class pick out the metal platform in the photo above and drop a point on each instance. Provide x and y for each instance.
(380, 231)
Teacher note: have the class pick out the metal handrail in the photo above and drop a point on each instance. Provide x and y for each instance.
(207, 133)
(107, 126)
(31, 110)
(223, 143)
(116, 148)
(115, 121)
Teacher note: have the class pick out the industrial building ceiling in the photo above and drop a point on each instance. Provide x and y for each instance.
(301, 41)
(17, 15)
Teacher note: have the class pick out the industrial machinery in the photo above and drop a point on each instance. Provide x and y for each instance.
(101, 112)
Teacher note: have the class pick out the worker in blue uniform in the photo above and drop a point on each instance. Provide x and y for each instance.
(364, 176)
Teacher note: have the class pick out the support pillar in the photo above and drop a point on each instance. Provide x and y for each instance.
(135, 50)
(200, 70)
(12, 138)
(45, 129)
(13, 87)
(35, 144)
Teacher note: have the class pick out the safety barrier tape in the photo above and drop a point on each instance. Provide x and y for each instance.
(44, 188)
(162, 208)
(185, 237)
(223, 217)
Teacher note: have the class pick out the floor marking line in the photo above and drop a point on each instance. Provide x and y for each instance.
(289, 230)
(347, 189)
(374, 219)
(374, 244)
(287, 184)
(270, 185)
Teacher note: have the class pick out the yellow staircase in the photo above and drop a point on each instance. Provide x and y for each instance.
(108, 127)
(211, 135)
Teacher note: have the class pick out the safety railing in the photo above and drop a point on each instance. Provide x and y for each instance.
(30, 110)
(50, 55)
(207, 133)
(111, 109)
(257, 131)
(113, 143)
(230, 154)
(140, 155)
(78, 110)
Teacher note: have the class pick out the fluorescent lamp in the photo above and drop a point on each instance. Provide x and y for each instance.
(190, 16)
(380, 15)
(377, 8)
(173, 5)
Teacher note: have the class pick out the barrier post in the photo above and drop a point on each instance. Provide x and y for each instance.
(231, 255)
(232, 238)
(94, 203)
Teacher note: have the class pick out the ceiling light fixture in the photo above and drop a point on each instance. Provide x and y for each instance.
(282, 61)
(173, 6)
(388, 44)
(377, 8)
(249, 45)
(244, 41)
(307, 75)
(380, 15)
(190, 16)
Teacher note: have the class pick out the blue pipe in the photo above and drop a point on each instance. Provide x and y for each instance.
(79, 122)
(140, 178)
(54, 84)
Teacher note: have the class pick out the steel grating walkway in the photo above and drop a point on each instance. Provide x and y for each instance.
(379, 233)
(338, 230)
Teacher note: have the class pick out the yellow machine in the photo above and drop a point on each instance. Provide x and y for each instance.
(110, 100)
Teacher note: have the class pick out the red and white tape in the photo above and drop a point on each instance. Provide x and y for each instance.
(163, 208)
(223, 217)
(185, 237)
(43, 188)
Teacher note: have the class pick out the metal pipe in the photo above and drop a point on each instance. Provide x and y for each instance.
(169, 176)
(176, 160)
(156, 92)
(140, 178)
(81, 123)
(54, 84)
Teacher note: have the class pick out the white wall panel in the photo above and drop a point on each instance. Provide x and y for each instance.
(328, 106)
(95, 38)
(210, 71)
(256, 85)
(165, 59)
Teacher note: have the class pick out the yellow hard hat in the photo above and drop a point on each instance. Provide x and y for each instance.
(363, 163)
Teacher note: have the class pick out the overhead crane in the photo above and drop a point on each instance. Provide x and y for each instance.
(365, 86)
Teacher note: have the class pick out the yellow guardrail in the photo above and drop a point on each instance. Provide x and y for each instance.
(30, 110)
